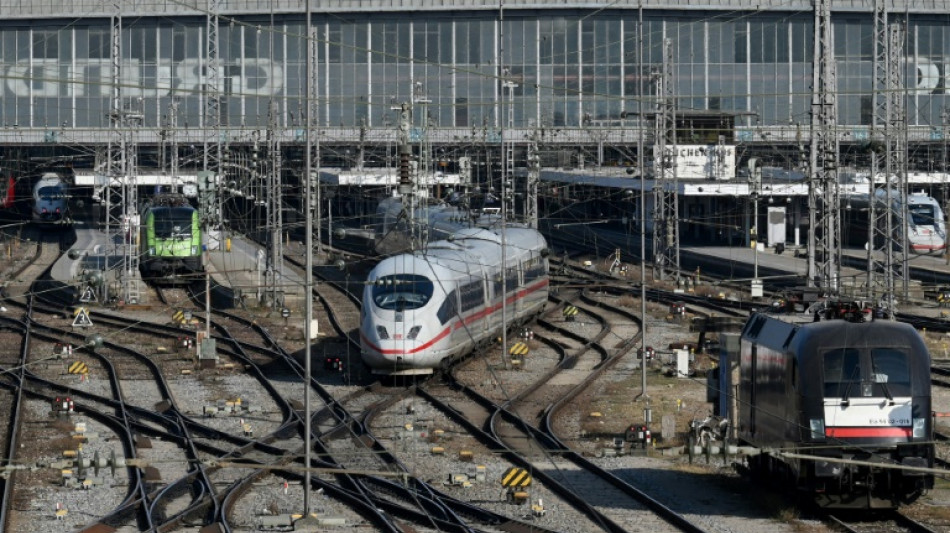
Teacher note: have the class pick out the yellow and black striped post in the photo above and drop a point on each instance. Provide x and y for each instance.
(515, 477)
(79, 368)
(518, 349)
(570, 312)
(517, 352)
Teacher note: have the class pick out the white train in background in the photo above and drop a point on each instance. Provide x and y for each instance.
(926, 224)
(403, 226)
(422, 311)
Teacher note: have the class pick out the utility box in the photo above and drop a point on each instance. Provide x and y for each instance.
(775, 225)
(756, 291)
(682, 363)
(207, 353)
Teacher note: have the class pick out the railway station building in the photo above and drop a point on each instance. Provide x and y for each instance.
(579, 80)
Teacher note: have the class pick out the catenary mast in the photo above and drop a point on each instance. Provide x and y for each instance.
(824, 231)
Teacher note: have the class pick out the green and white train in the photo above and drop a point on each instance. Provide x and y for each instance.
(170, 238)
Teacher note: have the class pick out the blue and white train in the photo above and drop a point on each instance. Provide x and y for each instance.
(51, 200)
(424, 310)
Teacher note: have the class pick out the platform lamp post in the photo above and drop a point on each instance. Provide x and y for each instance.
(755, 177)
(330, 195)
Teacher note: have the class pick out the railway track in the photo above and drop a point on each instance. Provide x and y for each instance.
(891, 522)
(208, 479)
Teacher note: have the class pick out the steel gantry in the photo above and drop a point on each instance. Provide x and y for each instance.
(533, 178)
(824, 231)
(666, 256)
(274, 192)
(121, 167)
(887, 274)
(212, 117)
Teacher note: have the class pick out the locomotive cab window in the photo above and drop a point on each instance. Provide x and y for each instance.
(50, 193)
(883, 372)
(402, 291)
(173, 222)
(921, 214)
(889, 370)
(842, 372)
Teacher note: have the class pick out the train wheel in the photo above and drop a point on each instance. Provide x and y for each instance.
(445, 366)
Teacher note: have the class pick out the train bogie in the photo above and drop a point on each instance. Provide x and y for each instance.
(424, 310)
(843, 407)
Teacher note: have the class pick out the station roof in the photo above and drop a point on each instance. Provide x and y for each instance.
(97, 8)
(618, 178)
(89, 178)
(378, 176)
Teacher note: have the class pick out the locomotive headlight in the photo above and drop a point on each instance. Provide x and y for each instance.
(151, 250)
(920, 425)
(817, 428)
(381, 332)
(194, 250)
(413, 333)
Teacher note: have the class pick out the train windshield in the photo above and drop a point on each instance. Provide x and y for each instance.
(921, 214)
(50, 193)
(890, 372)
(842, 372)
(402, 291)
(173, 222)
(884, 373)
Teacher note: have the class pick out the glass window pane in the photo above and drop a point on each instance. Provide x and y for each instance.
(842, 372)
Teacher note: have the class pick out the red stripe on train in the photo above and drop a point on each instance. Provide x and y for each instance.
(864, 432)
(461, 323)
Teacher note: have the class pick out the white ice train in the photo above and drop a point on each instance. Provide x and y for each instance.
(421, 311)
(51, 200)
(402, 227)
(926, 225)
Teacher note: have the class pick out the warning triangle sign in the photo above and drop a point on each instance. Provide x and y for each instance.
(88, 295)
(82, 318)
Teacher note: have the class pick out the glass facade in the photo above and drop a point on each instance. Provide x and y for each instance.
(569, 68)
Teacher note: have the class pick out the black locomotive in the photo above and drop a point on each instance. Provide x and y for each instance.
(839, 408)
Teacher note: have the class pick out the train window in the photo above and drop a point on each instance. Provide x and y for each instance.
(889, 366)
(842, 372)
(533, 269)
(472, 295)
(921, 214)
(50, 193)
(449, 308)
(173, 222)
(402, 291)
(496, 287)
(511, 279)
